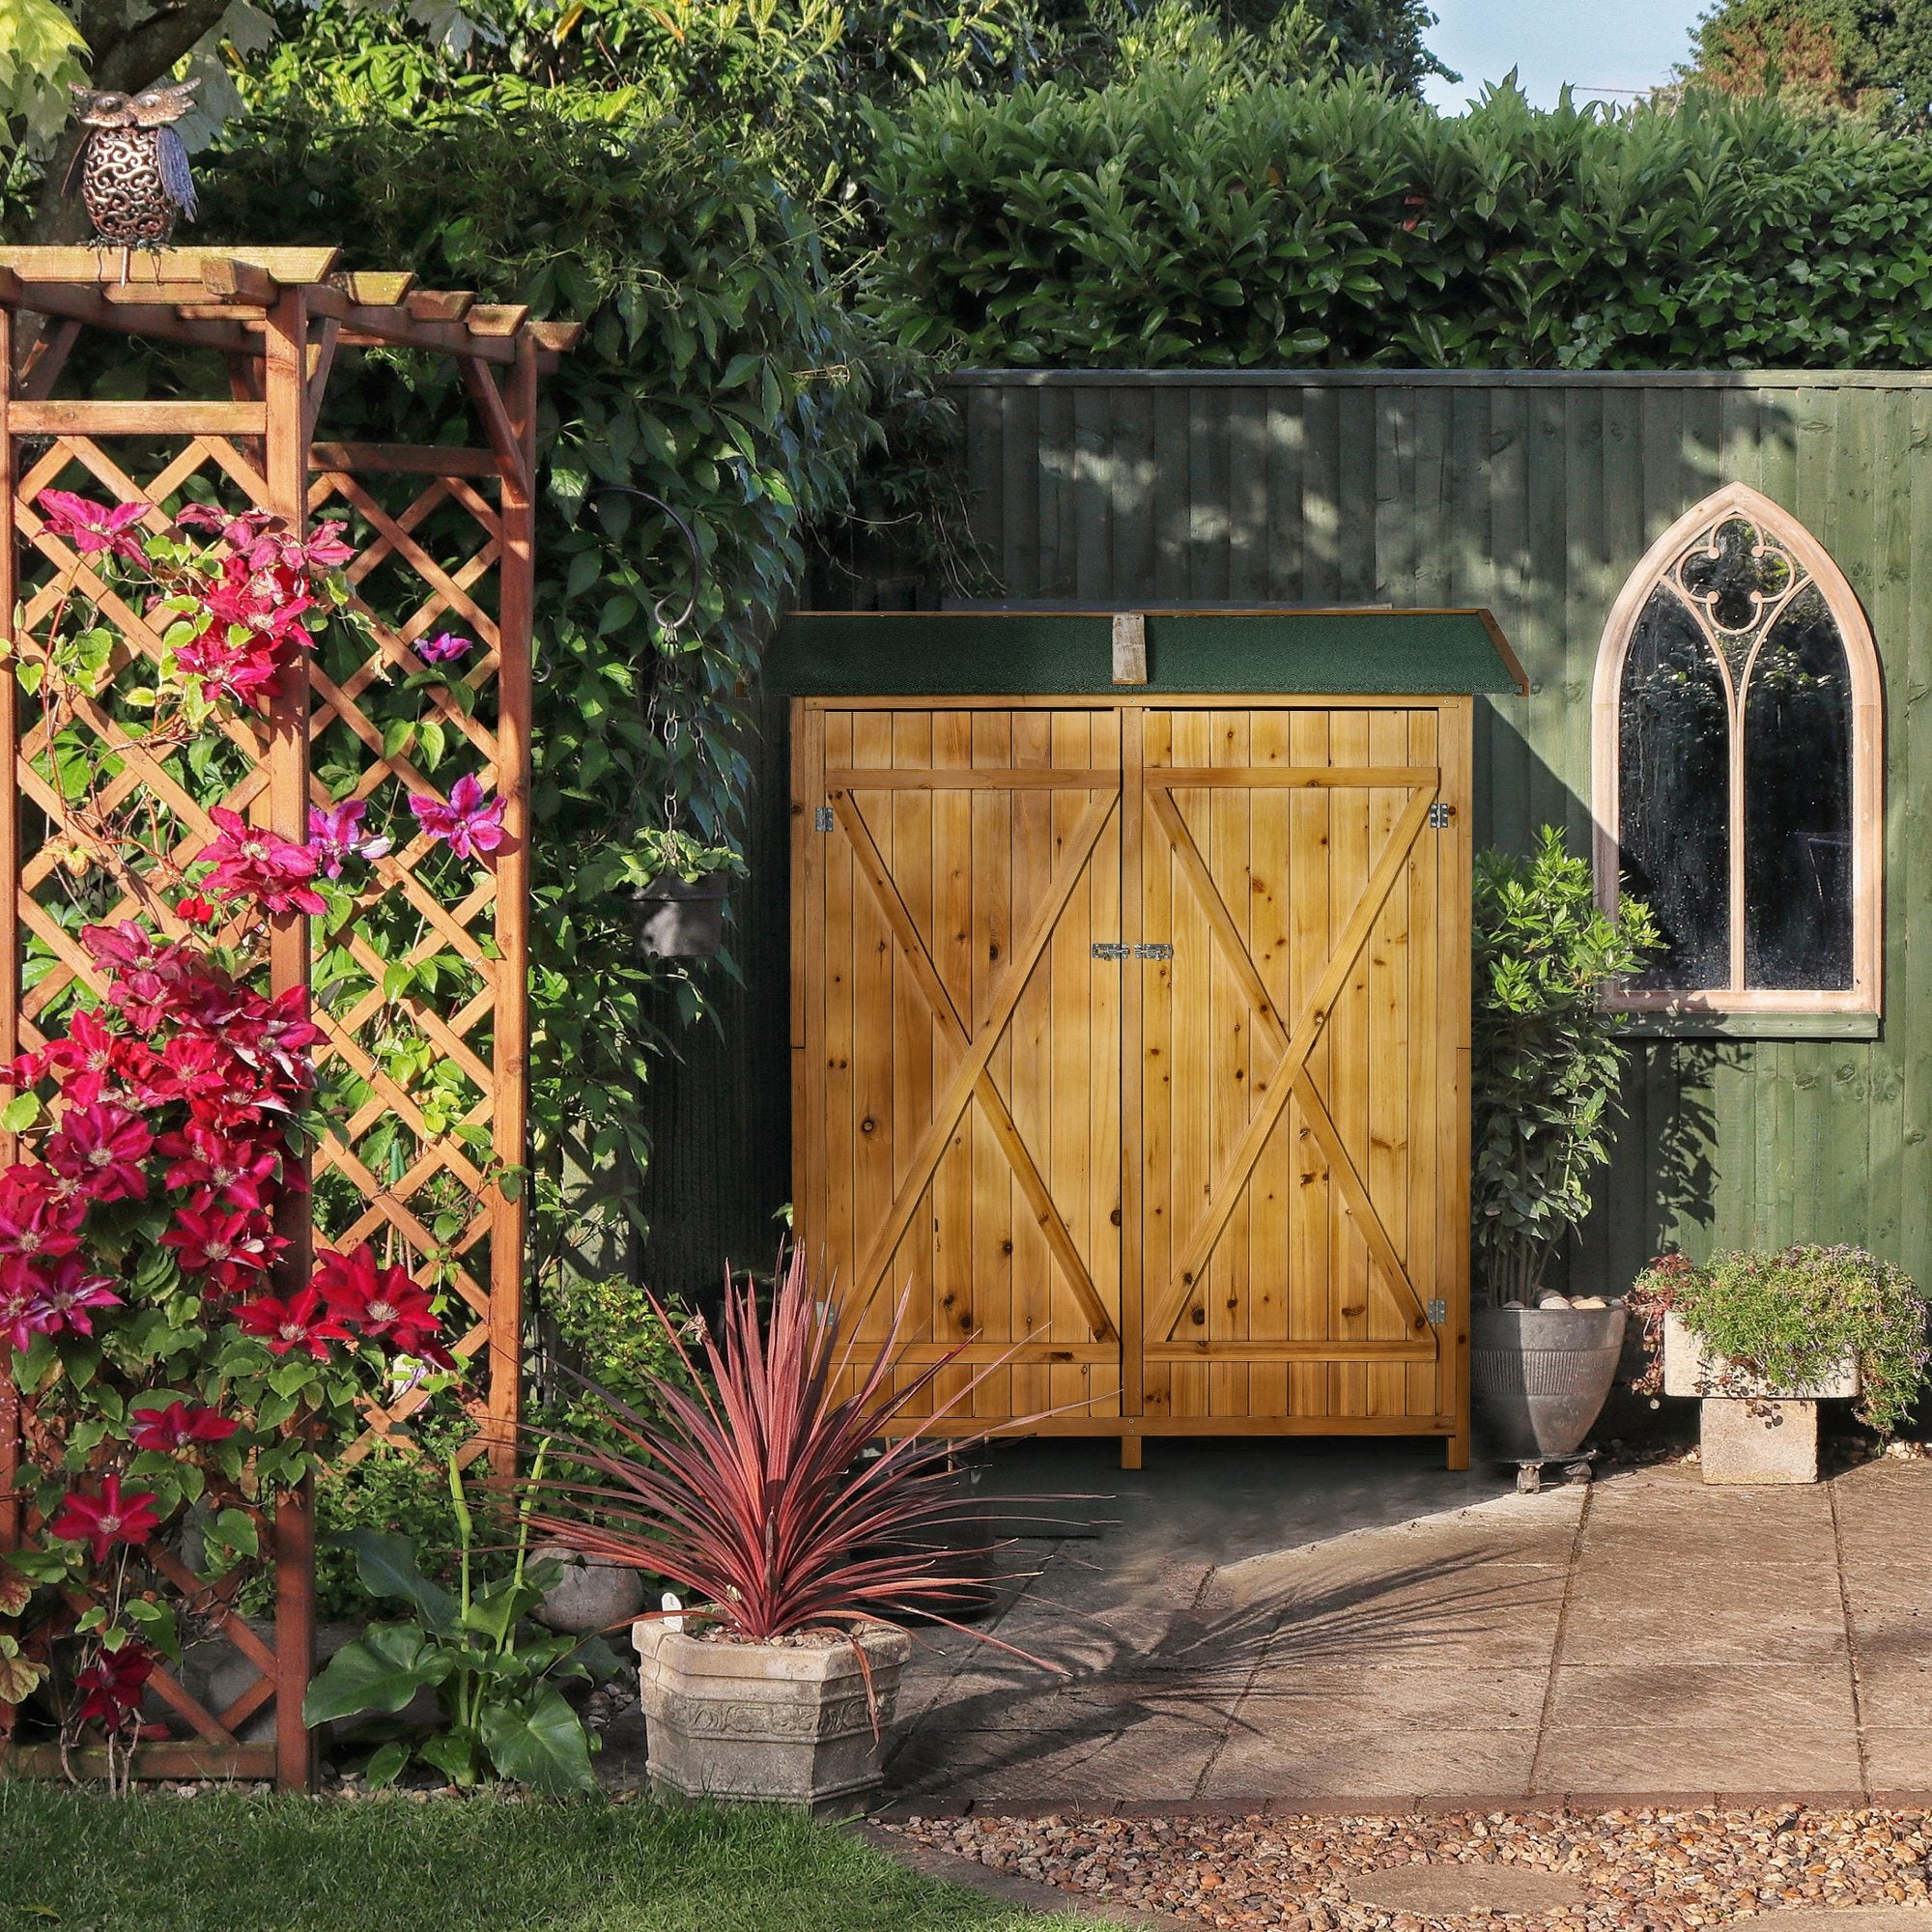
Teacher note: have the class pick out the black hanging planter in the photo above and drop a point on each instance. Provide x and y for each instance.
(673, 917)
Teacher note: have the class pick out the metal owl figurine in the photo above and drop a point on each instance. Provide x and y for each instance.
(134, 176)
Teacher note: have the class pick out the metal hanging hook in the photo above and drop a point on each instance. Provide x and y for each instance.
(669, 626)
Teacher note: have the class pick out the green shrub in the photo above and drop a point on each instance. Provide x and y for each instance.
(1789, 1317)
(1178, 217)
(401, 1489)
(605, 1332)
(1545, 1057)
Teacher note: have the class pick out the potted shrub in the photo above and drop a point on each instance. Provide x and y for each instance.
(1547, 1060)
(760, 1490)
(677, 900)
(1763, 1338)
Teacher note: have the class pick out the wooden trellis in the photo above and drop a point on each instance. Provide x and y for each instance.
(444, 538)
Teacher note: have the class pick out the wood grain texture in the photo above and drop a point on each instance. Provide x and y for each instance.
(1198, 1178)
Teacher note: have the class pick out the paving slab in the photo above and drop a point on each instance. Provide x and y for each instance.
(1286, 1622)
(1438, 1891)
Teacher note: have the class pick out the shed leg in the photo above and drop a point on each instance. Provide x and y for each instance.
(1456, 1448)
(1130, 1452)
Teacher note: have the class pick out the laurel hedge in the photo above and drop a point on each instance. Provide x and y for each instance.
(1169, 219)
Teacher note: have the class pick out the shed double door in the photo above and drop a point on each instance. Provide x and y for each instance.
(1130, 1055)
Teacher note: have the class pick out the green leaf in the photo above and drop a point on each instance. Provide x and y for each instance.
(387, 1567)
(238, 1529)
(386, 1766)
(454, 1754)
(540, 1743)
(20, 1113)
(380, 1671)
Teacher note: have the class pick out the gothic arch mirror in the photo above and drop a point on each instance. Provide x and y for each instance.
(1737, 777)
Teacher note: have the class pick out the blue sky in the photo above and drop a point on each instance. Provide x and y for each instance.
(1595, 45)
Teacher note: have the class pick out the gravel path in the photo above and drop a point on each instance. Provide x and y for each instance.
(1635, 1869)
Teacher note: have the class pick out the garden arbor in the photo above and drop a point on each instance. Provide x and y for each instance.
(420, 996)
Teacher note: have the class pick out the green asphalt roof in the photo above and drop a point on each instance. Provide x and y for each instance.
(1027, 653)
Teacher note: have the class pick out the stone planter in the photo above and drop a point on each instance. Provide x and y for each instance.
(1749, 1430)
(680, 919)
(1539, 1378)
(765, 1723)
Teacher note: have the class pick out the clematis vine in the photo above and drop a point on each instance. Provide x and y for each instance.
(469, 823)
(444, 647)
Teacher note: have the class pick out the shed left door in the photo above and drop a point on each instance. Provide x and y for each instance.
(959, 1056)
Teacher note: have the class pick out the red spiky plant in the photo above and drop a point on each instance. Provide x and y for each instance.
(755, 1494)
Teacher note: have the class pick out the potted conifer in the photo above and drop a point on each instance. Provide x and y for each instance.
(760, 1490)
(1547, 1060)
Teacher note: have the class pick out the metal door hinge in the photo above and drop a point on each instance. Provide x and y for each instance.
(824, 819)
(1437, 1311)
(1110, 949)
(1440, 815)
(1154, 948)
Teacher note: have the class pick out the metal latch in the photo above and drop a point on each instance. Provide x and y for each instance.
(1439, 1310)
(1154, 948)
(824, 819)
(1440, 815)
(1110, 949)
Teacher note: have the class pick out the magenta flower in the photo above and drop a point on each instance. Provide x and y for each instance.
(442, 647)
(253, 863)
(177, 1427)
(103, 1520)
(93, 528)
(24, 1310)
(470, 822)
(335, 835)
(71, 1293)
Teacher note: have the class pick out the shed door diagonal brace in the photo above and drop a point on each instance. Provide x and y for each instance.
(971, 1080)
(1290, 1073)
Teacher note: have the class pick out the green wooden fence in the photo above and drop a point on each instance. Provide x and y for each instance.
(1535, 494)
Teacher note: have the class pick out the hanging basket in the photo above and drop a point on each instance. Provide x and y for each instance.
(680, 919)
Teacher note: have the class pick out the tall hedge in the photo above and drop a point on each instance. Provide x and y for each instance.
(1170, 220)
(720, 370)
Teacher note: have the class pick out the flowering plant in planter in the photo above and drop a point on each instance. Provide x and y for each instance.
(1785, 1320)
(172, 1384)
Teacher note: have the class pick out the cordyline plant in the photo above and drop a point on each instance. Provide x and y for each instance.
(753, 1487)
(171, 1389)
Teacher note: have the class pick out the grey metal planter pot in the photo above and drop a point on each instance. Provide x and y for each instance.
(767, 1723)
(680, 919)
(1539, 1377)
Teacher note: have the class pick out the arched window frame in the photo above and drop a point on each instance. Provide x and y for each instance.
(1867, 737)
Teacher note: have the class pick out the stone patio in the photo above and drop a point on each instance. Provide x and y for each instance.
(1261, 1626)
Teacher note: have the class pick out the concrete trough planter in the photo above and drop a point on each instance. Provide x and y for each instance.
(1749, 1430)
(767, 1723)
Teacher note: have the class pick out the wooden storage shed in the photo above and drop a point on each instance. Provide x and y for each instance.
(1130, 1008)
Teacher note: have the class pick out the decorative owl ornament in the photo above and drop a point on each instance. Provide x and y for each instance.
(134, 176)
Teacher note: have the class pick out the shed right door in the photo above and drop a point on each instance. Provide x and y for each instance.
(1300, 1091)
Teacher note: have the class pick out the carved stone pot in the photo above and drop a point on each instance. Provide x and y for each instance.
(768, 1723)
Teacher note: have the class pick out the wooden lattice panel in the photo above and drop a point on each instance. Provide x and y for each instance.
(421, 996)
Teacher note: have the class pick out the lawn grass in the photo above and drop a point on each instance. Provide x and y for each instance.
(280, 1864)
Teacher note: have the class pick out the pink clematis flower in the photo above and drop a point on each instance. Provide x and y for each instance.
(219, 1166)
(102, 1146)
(303, 1321)
(23, 1309)
(103, 1520)
(335, 835)
(383, 1302)
(34, 1224)
(468, 822)
(251, 862)
(232, 1249)
(111, 1686)
(177, 1427)
(69, 1295)
(91, 527)
(445, 646)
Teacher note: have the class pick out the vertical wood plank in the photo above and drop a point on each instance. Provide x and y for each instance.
(9, 882)
(1351, 856)
(1311, 1198)
(1133, 1162)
